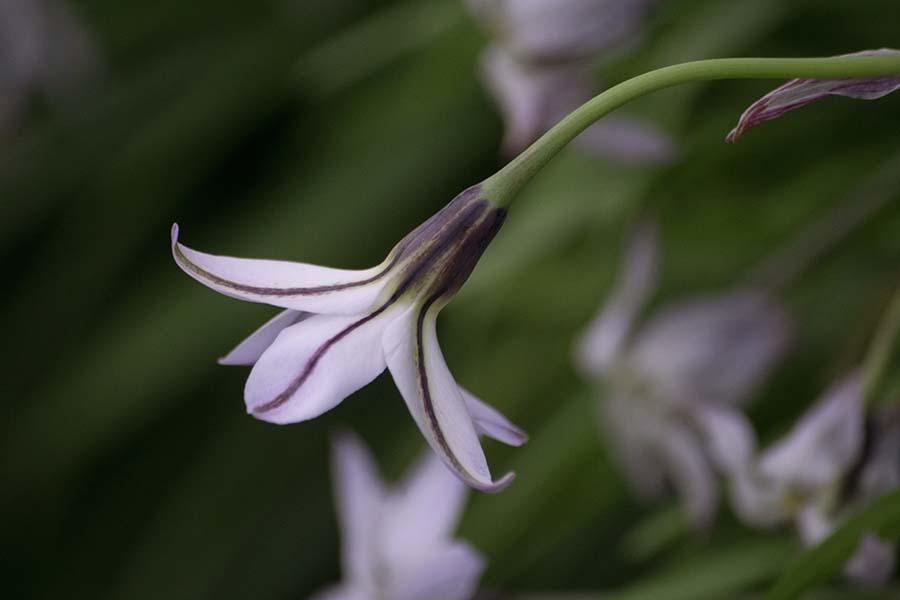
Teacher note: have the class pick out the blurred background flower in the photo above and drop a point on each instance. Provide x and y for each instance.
(324, 131)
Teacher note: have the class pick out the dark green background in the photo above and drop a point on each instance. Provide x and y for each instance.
(322, 131)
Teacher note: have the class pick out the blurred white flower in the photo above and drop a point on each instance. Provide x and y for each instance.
(797, 93)
(44, 49)
(363, 322)
(673, 387)
(396, 543)
(827, 466)
(541, 64)
(558, 31)
(533, 98)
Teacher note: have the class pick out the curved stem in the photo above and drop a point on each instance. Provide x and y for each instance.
(502, 187)
(878, 356)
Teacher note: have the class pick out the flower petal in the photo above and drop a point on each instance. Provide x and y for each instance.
(715, 349)
(532, 98)
(249, 351)
(359, 497)
(873, 562)
(286, 284)
(631, 430)
(605, 336)
(450, 573)
(557, 31)
(315, 364)
(729, 437)
(423, 511)
(490, 422)
(757, 501)
(824, 444)
(800, 92)
(814, 524)
(434, 399)
(690, 473)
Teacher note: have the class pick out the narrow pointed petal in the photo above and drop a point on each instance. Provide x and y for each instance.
(631, 431)
(824, 444)
(359, 497)
(423, 511)
(490, 422)
(297, 286)
(434, 399)
(606, 334)
(729, 438)
(525, 95)
(450, 573)
(249, 351)
(315, 364)
(798, 93)
(691, 474)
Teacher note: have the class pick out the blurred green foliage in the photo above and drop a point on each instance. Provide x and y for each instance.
(323, 131)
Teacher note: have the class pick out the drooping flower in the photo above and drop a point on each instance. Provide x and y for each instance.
(396, 541)
(674, 386)
(798, 93)
(541, 66)
(342, 328)
(827, 466)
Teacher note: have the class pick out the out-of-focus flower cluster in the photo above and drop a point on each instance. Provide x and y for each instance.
(541, 66)
(671, 404)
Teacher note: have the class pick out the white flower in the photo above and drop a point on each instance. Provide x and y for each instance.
(802, 471)
(396, 542)
(363, 322)
(797, 93)
(820, 472)
(675, 383)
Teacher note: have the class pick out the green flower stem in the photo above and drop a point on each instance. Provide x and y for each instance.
(503, 187)
(878, 356)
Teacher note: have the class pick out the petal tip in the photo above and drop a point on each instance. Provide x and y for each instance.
(174, 234)
(495, 486)
(226, 361)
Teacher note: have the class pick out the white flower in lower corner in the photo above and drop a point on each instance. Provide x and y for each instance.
(342, 328)
(798, 93)
(827, 466)
(396, 542)
(672, 389)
